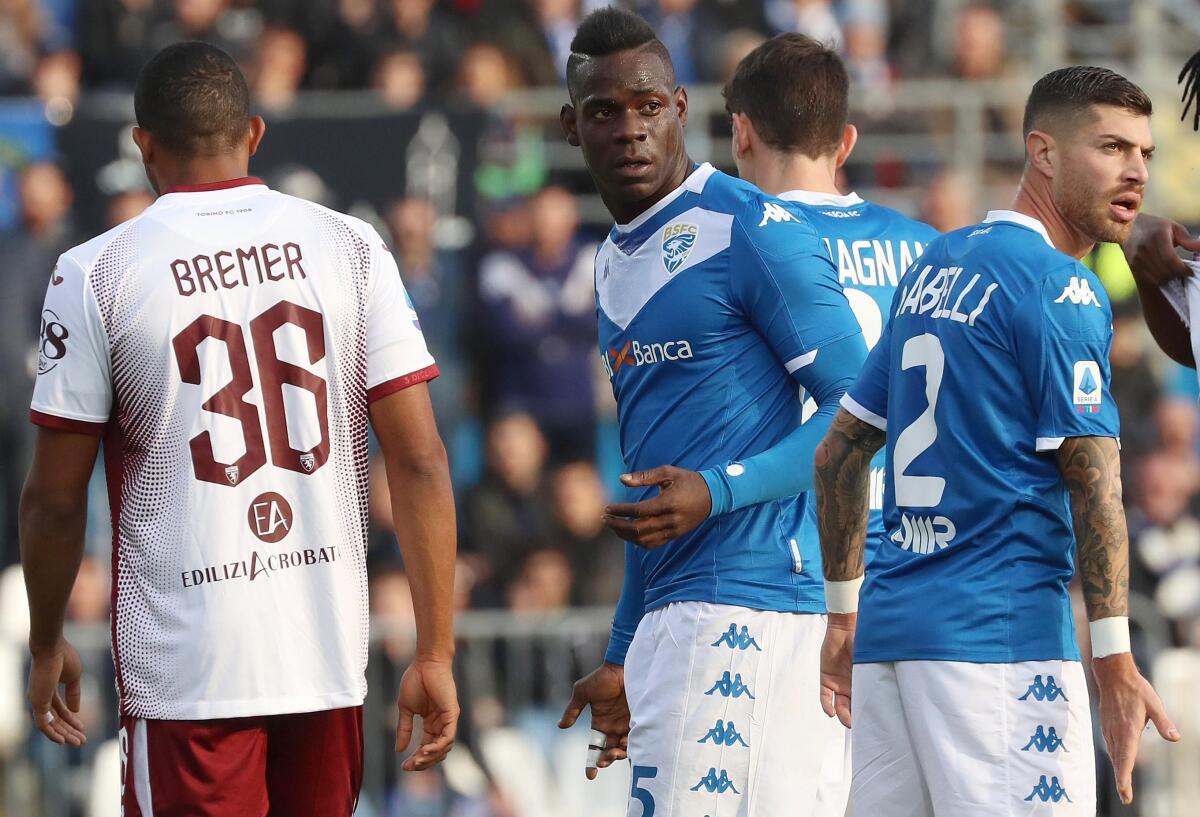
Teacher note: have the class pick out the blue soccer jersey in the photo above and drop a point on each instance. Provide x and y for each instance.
(997, 350)
(872, 247)
(713, 306)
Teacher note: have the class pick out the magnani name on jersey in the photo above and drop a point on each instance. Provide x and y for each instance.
(946, 294)
(873, 263)
(636, 353)
(259, 566)
(239, 267)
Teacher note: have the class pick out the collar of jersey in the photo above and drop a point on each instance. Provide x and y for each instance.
(628, 237)
(210, 186)
(822, 199)
(1019, 219)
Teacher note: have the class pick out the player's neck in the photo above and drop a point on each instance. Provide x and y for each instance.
(192, 172)
(625, 212)
(776, 173)
(1065, 238)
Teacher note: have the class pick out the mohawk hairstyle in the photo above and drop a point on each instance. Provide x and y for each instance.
(611, 30)
(1066, 94)
(1190, 77)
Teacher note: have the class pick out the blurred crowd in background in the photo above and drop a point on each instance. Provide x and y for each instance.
(493, 224)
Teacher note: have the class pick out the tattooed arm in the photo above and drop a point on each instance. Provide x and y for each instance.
(1091, 469)
(842, 484)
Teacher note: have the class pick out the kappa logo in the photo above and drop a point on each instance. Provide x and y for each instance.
(1044, 741)
(1078, 292)
(731, 688)
(776, 213)
(307, 461)
(1048, 792)
(232, 473)
(712, 782)
(924, 534)
(724, 734)
(677, 243)
(1048, 691)
(55, 278)
(736, 640)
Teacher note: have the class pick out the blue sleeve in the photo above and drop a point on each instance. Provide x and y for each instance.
(867, 399)
(1062, 333)
(786, 468)
(630, 608)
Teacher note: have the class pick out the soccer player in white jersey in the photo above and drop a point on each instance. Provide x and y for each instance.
(991, 386)
(715, 302)
(230, 346)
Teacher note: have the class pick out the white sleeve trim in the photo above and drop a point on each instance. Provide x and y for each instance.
(1050, 443)
(801, 361)
(869, 417)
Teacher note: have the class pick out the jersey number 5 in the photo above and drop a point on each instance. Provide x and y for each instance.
(273, 374)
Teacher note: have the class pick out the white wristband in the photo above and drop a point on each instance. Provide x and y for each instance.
(842, 597)
(1109, 636)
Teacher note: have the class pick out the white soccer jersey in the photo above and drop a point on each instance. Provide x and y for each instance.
(227, 343)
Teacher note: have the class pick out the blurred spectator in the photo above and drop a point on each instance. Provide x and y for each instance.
(681, 26)
(736, 45)
(114, 40)
(980, 54)
(1134, 388)
(486, 73)
(56, 82)
(948, 202)
(815, 18)
(1177, 423)
(557, 20)
(399, 79)
(90, 597)
(543, 583)
(344, 51)
(233, 28)
(505, 516)
(434, 281)
(126, 205)
(596, 554)
(20, 41)
(539, 325)
(419, 26)
(279, 70)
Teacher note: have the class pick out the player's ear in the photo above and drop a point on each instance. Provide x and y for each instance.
(742, 134)
(258, 127)
(144, 142)
(1041, 152)
(566, 118)
(681, 105)
(849, 140)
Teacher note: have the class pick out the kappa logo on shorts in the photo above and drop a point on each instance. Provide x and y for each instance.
(1048, 691)
(724, 734)
(1048, 792)
(1045, 741)
(731, 688)
(711, 782)
(737, 640)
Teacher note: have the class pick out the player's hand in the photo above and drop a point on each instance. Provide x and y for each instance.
(837, 665)
(55, 713)
(1151, 247)
(683, 502)
(1127, 702)
(427, 689)
(604, 691)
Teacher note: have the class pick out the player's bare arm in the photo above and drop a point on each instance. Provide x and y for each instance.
(1152, 254)
(53, 518)
(683, 502)
(842, 468)
(1091, 469)
(423, 510)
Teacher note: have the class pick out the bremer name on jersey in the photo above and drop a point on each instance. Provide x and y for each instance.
(227, 343)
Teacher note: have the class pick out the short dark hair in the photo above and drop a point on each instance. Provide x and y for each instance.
(193, 98)
(1069, 93)
(611, 30)
(796, 92)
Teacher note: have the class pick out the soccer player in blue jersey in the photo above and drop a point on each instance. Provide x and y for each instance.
(789, 103)
(715, 301)
(991, 386)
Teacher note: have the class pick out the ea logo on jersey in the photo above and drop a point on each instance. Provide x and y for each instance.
(678, 240)
(270, 517)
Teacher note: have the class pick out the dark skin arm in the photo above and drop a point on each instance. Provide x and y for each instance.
(1151, 252)
(842, 484)
(1091, 469)
(423, 514)
(53, 516)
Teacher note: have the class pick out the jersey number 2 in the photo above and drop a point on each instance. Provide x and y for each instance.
(924, 351)
(273, 374)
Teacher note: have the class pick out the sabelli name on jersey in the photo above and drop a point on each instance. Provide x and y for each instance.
(933, 295)
(240, 267)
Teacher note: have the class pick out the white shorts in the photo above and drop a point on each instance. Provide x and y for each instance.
(950, 739)
(726, 717)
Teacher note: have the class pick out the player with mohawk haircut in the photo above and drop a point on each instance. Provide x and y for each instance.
(714, 302)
